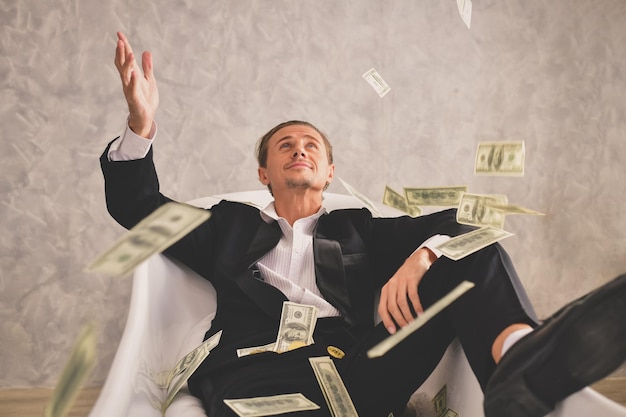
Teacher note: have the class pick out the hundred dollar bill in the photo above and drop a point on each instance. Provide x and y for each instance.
(500, 158)
(270, 347)
(187, 366)
(356, 194)
(440, 401)
(514, 209)
(477, 210)
(164, 227)
(76, 371)
(398, 201)
(335, 392)
(465, 10)
(460, 246)
(270, 406)
(391, 341)
(297, 324)
(434, 196)
(376, 81)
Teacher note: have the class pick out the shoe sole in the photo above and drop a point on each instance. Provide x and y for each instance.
(600, 316)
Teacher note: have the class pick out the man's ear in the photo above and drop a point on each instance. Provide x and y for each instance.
(331, 173)
(263, 176)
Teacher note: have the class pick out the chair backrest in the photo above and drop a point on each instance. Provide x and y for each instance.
(261, 198)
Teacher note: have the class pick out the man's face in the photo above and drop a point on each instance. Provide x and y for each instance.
(296, 159)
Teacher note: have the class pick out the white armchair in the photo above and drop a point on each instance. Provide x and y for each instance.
(172, 307)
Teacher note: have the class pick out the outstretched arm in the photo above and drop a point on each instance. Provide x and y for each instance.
(139, 86)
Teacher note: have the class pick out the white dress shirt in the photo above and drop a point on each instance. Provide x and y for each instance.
(290, 265)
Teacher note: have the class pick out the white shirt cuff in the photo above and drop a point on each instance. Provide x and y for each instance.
(432, 243)
(130, 146)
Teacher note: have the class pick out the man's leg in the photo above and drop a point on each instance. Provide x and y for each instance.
(497, 301)
(580, 344)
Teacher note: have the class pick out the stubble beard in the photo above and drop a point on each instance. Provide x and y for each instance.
(298, 185)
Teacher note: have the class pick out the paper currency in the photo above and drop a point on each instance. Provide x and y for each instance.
(385, 345)
(366, 201)
(434, 196)
(270, 347)
(465, 10)
(500, 158)
(376, 81)
(460, 246)
(187, 366)
(335, 392)
(450, 413)
(270, 406)
(440, 401)
(164, 227)
(477, 210)
(297, 324)
(75, 373)
(396, 200)
(515, 209)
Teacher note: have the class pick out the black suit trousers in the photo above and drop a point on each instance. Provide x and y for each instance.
(383, 385)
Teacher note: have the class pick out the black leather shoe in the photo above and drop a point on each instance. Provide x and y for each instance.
(580, 344)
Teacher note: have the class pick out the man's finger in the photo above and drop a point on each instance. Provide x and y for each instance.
(415, 299)
(384, 313)
(146, 65)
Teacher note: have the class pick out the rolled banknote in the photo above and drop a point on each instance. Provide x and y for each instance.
(75, 373)
(385, 345)
(434, 196)
(270, 347)
(297, 324)
(337, 397)
(270, 406)
(460, 246)
(398, 201)
(500, 158)
(158, 231)
(477, 210)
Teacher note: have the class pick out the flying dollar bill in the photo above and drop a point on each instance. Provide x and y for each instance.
(75, 373)
(460, 246)
(337, 397)
(366, 201)
(270, 406)
(385, 345)
(187, 366)
(465, 10)
(297, 324)
(376, 81)
(477, 210)
(396, 200)
(164, 227)
(434, 196)
(500, 158)
(514, 209)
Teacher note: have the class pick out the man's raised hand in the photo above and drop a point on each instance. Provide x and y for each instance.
(139, 86)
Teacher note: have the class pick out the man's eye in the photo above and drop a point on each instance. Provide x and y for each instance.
(284, 146)
(312, 145)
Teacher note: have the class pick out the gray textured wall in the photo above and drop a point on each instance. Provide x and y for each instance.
(549, 72)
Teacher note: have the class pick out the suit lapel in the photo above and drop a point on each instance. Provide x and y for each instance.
(329, 273)
(267, 297)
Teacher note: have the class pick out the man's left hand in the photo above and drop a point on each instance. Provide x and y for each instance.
(402, 288)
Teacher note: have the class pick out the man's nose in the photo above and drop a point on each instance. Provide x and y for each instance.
(299, 151)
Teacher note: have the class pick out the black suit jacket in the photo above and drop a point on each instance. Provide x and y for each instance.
(354, 254)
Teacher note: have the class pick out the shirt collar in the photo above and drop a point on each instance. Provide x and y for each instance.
(268, 214)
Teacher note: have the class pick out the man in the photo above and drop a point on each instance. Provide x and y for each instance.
(295, 250)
